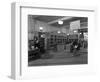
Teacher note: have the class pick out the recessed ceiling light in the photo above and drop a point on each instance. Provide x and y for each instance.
(84, 33)
(41, 35)
(60, 22)
(59, 32)
(75, 31)
(41, 28)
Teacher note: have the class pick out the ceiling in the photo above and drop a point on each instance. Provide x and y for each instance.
(48, 18)
(53, 20)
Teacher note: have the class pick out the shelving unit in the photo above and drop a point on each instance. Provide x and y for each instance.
(56, 39)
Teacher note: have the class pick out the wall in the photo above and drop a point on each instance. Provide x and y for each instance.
(34, 25)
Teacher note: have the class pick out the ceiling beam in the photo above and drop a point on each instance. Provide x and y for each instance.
(35, 16)
(54, 21)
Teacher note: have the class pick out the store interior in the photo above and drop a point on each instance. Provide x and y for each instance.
(50, 39)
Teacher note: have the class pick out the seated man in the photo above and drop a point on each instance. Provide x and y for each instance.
(76, 44)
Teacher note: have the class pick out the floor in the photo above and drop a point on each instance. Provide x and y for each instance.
(61, 58)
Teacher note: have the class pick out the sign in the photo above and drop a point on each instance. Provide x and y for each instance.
(75, 25)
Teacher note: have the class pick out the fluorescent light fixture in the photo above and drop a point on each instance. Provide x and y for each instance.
(60, 22)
